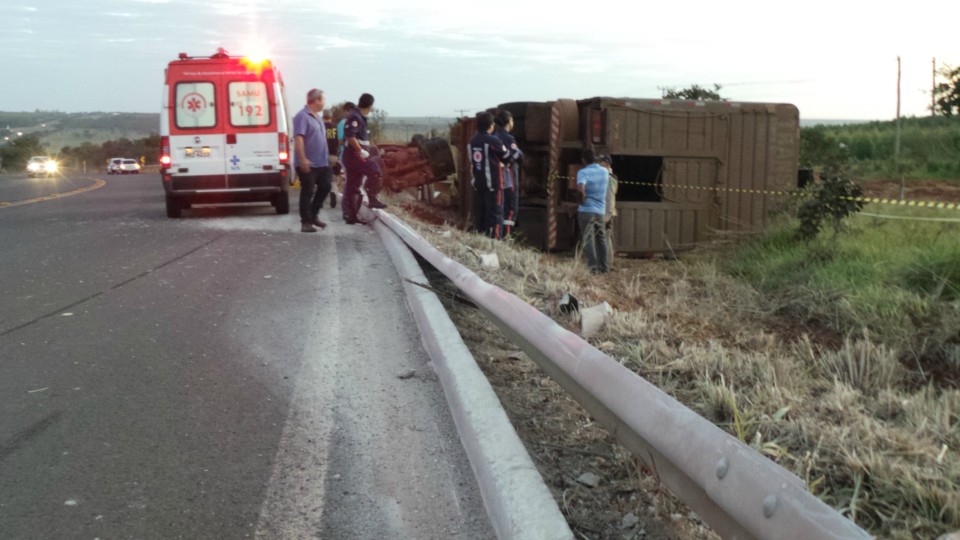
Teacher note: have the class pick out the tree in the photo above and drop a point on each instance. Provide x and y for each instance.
(375, 122)
(15, 154)
(818, 147)
(947, 94)
(835, 197)
(693, 93)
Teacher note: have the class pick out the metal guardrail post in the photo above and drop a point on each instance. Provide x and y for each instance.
(737, 491)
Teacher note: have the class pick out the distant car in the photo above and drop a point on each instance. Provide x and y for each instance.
(123, 166)
(41, 166)
(113, 166)
(129, 166)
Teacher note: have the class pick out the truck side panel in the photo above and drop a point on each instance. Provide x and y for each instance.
(643, 227)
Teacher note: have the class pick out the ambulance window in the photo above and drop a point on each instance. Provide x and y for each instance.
(195, 105)
(248, 104)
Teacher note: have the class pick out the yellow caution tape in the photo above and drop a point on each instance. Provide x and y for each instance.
(895, 202)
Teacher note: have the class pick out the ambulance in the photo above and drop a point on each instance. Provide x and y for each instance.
(224, 133)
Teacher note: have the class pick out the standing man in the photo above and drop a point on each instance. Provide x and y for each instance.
(356, 159)
(610, 212)
(487, 153)
(592, 183)
(511, 170)
(333, 145)
(348, 107)
(311, 161)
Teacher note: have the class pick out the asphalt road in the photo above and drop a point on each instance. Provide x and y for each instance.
(217, 376)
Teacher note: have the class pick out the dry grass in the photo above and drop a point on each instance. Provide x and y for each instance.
(841, 413)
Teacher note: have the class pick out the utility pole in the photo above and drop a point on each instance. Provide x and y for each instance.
(933, 89)
(896, 143)
(461, 113)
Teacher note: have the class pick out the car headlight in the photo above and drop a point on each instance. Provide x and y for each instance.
(50, 166)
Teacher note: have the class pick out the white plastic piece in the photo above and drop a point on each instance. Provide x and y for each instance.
(593, 318)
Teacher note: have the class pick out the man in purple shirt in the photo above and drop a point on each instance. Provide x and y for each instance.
(310, 157)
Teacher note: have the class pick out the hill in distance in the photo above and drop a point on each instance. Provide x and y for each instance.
(58, 129)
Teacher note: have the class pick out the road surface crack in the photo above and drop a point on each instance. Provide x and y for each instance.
(112, 288)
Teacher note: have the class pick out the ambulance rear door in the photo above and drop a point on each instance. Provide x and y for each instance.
(251, 156)
(197, 140)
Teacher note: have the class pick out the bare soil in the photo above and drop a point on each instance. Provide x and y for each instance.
(915, 190)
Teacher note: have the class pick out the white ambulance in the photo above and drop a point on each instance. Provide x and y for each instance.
(224, 133)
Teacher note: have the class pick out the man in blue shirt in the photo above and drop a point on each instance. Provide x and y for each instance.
(357, 162)
(511, 170)
(310, 158)
(487, 153)
(592, 184)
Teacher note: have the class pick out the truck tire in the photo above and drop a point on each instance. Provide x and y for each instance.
(281, 201)
(440, 157)
(174, 209)
(569, 120)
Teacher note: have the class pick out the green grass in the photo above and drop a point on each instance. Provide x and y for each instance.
(899, 279)
(929, 148)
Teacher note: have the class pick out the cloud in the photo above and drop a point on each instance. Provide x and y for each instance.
(334, 42)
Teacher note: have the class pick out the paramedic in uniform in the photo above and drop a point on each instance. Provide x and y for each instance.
(341, 173)
(357, 162)
(511, 170)
(487, 153)
(311, 161)
(333, 145)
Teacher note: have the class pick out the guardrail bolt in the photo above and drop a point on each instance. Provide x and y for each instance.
(722, 466)
(769, 506)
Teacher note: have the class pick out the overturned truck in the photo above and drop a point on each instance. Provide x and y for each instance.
(686, 168)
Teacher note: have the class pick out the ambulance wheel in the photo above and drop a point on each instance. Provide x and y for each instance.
(281, 201)
(174, 210)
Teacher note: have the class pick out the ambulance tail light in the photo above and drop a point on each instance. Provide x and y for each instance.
(165, 159)
(596, 126)
(284, 149)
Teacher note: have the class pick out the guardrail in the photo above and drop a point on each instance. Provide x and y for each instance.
(732, 487)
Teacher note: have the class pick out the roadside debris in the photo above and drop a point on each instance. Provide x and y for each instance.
(487, 260)
(593, 318)
(589, 479)
(569, 304)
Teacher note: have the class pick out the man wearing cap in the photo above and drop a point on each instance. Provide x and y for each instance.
(310, 158)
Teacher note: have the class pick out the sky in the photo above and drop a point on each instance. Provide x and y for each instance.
(832, 59)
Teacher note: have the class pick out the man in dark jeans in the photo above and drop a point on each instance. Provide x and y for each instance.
(311, 159)
(592, 182)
